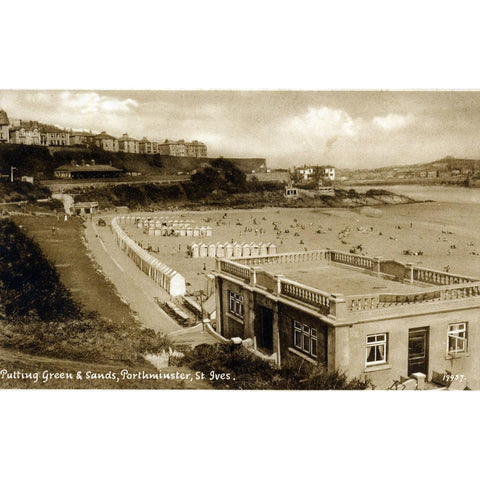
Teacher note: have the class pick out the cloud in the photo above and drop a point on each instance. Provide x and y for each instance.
(323, 123)
(392, 121)
(91, 102)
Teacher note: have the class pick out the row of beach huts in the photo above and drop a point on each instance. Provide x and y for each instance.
(228, 249)
(166, 226)
(178, 231)
(163, 275)
(166, 277)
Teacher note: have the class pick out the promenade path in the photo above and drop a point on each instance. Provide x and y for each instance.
(134, 286)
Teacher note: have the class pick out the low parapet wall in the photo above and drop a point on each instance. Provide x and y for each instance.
(443, 286)
(166, 277)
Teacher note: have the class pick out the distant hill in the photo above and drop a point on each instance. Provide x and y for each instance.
(452, 163)
(446, 163)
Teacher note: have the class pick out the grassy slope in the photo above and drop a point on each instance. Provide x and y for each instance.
(17, 361)
(67, 251)
(82, 349)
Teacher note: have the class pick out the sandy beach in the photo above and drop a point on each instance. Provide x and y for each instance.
(439, 235)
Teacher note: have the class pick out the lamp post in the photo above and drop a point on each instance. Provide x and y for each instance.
(199, 294)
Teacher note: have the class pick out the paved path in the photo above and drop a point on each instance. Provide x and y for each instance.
(137, 288)
(131, 283)
(193, 336)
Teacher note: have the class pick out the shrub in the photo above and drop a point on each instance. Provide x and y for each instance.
(38, 314)
(248, 371)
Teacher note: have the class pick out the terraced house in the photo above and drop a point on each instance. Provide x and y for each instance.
(54, 136)
(148, 147)
(4, 123)
(128, 144)
(107, 142)
(370, 317)
(196, 149)
(180, 148)
(81, 138)
(25, 135)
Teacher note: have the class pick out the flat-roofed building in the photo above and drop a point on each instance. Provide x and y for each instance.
(369, 317)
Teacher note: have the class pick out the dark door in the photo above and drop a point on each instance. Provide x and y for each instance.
(418, 350)
(266, 334)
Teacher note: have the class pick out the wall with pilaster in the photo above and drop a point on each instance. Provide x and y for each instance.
(231, 325)
(286, 316)
(383, 376)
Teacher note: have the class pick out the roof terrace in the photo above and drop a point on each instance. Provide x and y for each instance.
(347, 287)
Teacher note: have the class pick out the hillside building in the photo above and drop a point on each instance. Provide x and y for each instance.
(196, 149)
(148, 147)
(128, 145)
(309, 173)
(54, 136)
(81, 138)
(175, 149)
(328, 308)
(25, 135)
(86, 171)
(180, 148)
(4, 123)
(329, 172)
(106, 142)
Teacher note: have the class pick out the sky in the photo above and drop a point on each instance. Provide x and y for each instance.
(348, 129)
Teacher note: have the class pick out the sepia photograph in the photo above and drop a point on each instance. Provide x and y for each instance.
(240, 240)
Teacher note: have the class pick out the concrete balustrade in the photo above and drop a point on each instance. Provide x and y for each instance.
(439, 278)
(458, 287)
(291, 257)
(353, 260)
(233, 268)
(306, 294)
(385, 300)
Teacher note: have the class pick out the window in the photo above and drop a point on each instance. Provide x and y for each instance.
(376, 353)
(235, 304)
(305, 338)
(457, 338)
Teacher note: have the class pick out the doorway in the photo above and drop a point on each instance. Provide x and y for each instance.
(265, 340)
(418, 350)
